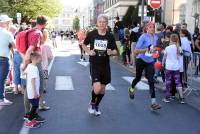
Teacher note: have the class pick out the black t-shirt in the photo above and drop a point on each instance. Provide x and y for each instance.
(100, 44)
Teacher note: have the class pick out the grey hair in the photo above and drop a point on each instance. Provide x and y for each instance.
(105, 17)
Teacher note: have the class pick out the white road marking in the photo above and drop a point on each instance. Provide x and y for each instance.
(140, 86)
(64, 83)
(24, 130)
(85, 64)
(110, 87)
(50, 65)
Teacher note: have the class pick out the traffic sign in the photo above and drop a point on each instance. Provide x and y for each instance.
(155, 4)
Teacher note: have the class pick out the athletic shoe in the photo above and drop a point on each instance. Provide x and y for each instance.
(32, 124)
(172, 98)
(166, 99)
(182, 100)
(5, 102)
(155, 107)
(81, 60)
(26, 117)
(97, 112)
(44, 108)
(131, 92)
(44, 91)
(91, 108)
(39, 119)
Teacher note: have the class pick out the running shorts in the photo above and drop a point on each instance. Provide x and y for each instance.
(100, 73)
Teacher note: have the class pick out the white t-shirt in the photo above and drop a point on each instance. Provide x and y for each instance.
(172, 60)
(186, 44)
(5, 38)
(32, 72)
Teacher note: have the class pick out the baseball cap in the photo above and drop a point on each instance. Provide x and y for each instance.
(5, 18)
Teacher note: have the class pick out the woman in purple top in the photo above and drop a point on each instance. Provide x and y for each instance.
(143, 50)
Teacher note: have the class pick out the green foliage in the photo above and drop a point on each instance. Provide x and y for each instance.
(76, 25)
(30, 9)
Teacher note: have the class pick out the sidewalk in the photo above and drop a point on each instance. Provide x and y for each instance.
(193, 99)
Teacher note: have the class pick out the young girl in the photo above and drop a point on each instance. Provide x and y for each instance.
(46, 57)
(172, 66)
(33, 84)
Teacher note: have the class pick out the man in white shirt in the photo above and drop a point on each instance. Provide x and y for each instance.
(7, 42)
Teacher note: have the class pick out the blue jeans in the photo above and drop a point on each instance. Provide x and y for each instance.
(17, 62)
(4, 69)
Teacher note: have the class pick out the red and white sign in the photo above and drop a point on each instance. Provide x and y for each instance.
(155, 4)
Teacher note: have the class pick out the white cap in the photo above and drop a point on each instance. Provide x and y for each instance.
(5, 18)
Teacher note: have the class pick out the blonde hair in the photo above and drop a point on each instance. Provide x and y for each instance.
(45, 35)
(175, 39)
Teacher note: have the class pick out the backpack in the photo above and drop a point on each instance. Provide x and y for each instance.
(22, 40)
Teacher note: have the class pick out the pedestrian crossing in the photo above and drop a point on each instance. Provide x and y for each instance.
(85, 64)
(65, 83)
(140, 86)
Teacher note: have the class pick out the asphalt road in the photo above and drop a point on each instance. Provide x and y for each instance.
(120, 115)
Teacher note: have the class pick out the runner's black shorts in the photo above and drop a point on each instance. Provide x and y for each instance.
(100, 73)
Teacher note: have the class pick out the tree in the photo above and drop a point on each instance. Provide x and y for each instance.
(76, 25)
(30, 9)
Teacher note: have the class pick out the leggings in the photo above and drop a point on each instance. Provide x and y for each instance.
(149, 74)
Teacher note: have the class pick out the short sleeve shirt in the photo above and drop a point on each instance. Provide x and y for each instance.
(100, 44)
(144, 42)
(32, 72)
(6, 38)
(172, 60)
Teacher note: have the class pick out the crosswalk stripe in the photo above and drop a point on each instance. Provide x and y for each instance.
(85, 64)
(64, 83)
(110, 87)
(140, 86)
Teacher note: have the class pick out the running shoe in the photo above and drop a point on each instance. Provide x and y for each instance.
(131, 92)
(166, 99)
(32, 124)
(172, 98)
(26, 117)
(44, 108)
(39, 119)
(91, 108)
(155, 107)
(97, 112)
(182, 100)
(5, 102)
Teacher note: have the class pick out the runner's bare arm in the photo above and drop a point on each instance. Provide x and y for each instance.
(87, 50)
(139, 51)
(28, 53)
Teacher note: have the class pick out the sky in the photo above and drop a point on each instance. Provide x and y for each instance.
(81, 3)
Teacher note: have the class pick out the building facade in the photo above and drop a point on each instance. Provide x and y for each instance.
(117, 8)
(65, 19)
(179, 11)
(96, 10)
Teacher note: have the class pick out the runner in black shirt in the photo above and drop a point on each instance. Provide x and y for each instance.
(102, 45)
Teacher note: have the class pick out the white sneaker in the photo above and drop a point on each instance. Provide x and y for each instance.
(5, 102)
(81, 60)
(91, 110)
(97, 112)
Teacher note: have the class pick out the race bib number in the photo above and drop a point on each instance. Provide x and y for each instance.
(100, 45)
